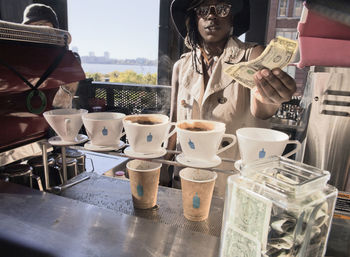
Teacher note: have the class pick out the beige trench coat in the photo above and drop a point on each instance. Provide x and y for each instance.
(224, 99)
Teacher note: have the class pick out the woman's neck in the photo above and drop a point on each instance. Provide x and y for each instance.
(214, 49)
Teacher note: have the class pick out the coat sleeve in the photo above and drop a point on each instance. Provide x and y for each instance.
(174, 90)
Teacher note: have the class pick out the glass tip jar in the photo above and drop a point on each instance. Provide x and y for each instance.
(277, 207)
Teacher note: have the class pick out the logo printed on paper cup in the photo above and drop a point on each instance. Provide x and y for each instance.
(262, 154)
(196, 201)
(104, 131)
(149, 137)
(191, 144)
(139, 189)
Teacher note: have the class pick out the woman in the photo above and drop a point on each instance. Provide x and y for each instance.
(200, 87)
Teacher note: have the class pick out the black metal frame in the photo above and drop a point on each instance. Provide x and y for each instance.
(126, 98)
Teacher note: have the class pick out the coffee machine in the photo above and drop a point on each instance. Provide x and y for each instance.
(327, 94)
(34, 62)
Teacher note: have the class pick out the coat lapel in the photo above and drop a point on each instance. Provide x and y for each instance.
(219, 80)
(193, 82)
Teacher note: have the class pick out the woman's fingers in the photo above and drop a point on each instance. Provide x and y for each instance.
(269, 93)
(274, 86)
(286, 80)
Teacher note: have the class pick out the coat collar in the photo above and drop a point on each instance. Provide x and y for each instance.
(194, 82)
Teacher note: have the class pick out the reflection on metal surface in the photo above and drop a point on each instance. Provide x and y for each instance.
(102, 162)
(328, 141)
(74, 181)
(51, 225)
(339, 236)
(23, 152)
(119, 154)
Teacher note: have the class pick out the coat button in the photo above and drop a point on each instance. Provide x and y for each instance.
(184, 104)
(222, 100)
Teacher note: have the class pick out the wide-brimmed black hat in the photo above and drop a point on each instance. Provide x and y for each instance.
(179, 10)
(37, 12)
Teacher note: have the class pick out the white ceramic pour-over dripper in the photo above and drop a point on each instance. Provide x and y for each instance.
(65, 122)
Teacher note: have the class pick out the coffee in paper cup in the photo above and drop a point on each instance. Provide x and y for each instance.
(197, 191)
(144, 180)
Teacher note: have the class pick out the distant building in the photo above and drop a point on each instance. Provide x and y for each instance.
(283, 19)
(91, 54)
(106, 55)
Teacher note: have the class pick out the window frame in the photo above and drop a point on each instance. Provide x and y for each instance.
(301, 8)
(279, 9)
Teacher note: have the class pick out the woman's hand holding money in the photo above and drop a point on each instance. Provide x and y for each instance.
(273, 86)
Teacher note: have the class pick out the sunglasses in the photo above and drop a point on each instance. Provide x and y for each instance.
(221, 10)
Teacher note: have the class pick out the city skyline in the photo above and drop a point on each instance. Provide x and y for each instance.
(106, 59)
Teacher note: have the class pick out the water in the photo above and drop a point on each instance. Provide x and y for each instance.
(107, 68)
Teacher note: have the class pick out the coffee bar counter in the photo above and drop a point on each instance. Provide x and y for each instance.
(96, 218)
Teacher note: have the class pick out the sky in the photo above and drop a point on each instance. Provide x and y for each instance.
(126, 29)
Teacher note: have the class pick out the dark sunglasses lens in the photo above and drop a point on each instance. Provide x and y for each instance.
(222, 10)
(202, 11)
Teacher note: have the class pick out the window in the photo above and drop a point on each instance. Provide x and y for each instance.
(283, 8)
(288, 33)
(298, 7)
(117, 40)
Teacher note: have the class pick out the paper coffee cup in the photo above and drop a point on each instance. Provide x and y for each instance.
(197, 191)
(144, 180)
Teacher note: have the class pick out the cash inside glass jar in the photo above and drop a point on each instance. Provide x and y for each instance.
(277, 207)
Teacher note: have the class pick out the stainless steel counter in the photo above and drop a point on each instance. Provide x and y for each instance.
(96, 218)
(42, 224)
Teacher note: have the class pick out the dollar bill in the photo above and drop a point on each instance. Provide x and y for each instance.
(251, 212)
(277, 54)
(238, 243)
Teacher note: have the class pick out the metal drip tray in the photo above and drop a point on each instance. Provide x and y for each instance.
(101, 163)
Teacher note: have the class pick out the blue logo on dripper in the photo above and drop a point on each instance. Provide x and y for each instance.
(191, 144)
(149, 137)
(262, 154)
(104, 131)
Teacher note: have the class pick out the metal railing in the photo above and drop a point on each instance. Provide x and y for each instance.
(126, 98)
